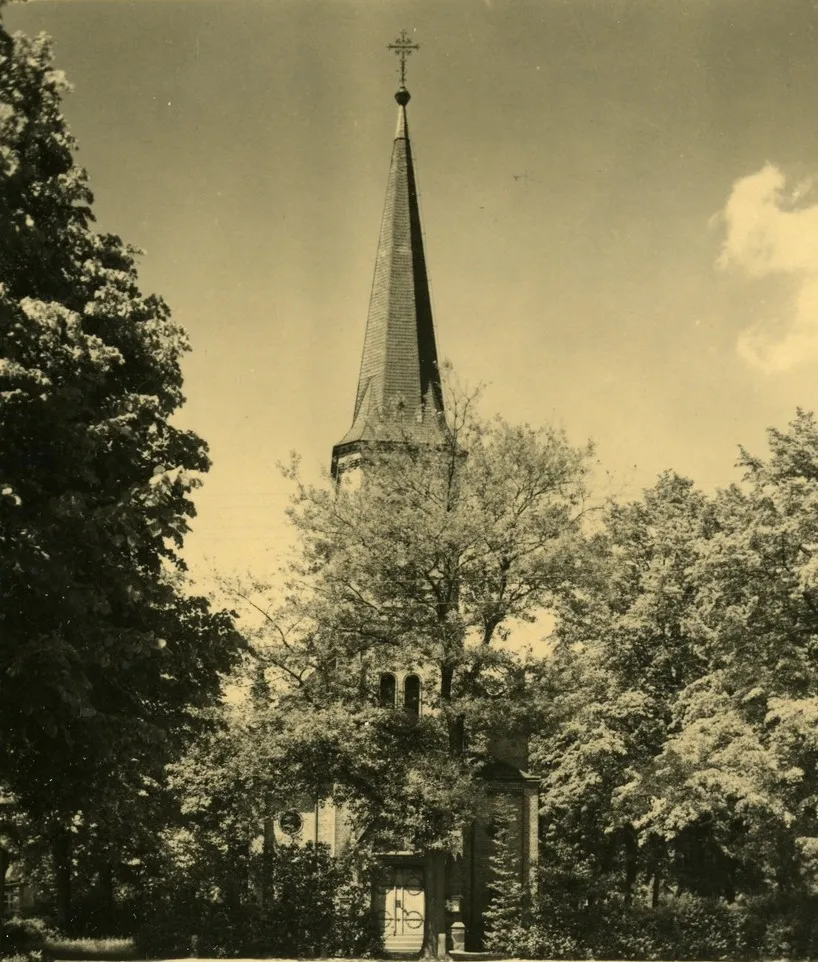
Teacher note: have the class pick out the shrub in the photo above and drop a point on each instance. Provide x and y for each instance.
(683, 928)
(779, 927)
(24, 938)
(296, 902)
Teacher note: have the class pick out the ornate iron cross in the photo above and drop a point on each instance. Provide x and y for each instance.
(403, 47)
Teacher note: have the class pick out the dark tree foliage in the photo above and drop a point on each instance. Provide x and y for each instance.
(680, 759)
(103, 655)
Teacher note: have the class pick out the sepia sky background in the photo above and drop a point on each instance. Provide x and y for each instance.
(621, 222)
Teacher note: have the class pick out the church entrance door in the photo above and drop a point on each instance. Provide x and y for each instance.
(401, 907)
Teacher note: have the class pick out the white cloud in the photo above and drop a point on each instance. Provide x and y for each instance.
(770, 230)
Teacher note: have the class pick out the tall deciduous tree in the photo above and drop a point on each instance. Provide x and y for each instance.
(624, 652)
(757, 617)
(422, 561)
(683, 738)
(102, 654)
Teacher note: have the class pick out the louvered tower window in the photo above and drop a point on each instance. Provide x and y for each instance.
(387, 691)
(411, 695)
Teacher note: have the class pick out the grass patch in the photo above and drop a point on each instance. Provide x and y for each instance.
(90, 950)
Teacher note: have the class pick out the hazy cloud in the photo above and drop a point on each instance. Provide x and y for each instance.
(770, 229)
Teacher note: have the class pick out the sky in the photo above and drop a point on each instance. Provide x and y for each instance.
(619, 200)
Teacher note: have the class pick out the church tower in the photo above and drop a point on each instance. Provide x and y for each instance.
(399, 397)
(422, 898)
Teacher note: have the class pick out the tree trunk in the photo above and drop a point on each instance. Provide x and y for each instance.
(456, 726)
(106, 888)
(434, 929)
(61, 852)
(656, 888)
(265, 880)
(237, 883)
(4, 864)
(631, 862)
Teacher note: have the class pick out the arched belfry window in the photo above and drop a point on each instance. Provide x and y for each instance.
(387, 690)
(411, 695)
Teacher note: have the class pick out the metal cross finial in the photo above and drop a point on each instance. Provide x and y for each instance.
(403, 47)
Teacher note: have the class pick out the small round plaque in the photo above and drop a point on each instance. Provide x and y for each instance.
(290, 823)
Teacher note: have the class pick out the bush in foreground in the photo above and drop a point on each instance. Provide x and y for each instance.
(685, 927)
(296, 902)
(24, 939)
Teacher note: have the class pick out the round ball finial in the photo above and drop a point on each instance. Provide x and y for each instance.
(402, 96)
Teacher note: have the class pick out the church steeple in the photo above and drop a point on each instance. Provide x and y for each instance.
(399, 395)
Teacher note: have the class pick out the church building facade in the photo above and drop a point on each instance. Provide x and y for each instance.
(422, 900)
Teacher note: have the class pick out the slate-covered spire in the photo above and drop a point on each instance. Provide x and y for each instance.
(399, 393)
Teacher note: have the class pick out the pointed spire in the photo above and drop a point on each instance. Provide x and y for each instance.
(399, 391)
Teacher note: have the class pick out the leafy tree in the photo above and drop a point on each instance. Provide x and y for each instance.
(422, 562)
(220, 881)
(102, 653)
(681, 746)
(624, 652)
(758, 619)
(229, 783)
(734, 785)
